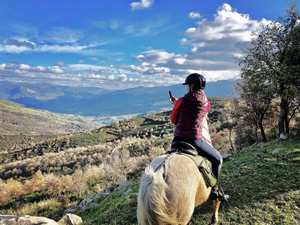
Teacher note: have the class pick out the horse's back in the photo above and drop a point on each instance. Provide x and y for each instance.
(186, 184)
(178, 183)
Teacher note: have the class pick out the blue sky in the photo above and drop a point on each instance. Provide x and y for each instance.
(119, 44)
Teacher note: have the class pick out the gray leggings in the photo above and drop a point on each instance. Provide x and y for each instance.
(206, 151)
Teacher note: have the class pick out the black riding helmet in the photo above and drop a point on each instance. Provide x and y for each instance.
(197, 80)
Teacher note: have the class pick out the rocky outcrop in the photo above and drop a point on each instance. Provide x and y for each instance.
(25, 220)
(68, 219)
(90, 200)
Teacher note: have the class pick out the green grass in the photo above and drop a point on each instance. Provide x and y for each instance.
(50, 208)
(113, 209)
(18, 120)
(263, 181)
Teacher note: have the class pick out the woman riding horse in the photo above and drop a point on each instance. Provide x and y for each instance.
(187, 115)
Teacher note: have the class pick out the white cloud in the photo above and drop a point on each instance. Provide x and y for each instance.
(27, 46)
(83, 67)
(26, 70)
(143, 4)
(14, 49)
(24, 67)
(227, 23)
(93, 59)
(60, 63)
(212, 43)
(101, 24)
(62, 35)
(24, 30)
(20, 43)
(155, 56)
(194, 15)
(61, 48)
(115, 24)
(149, 27)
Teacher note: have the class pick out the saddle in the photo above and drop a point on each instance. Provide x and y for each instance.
(202, 163)
(184, 147)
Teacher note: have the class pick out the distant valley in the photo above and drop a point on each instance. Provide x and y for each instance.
(88, 101)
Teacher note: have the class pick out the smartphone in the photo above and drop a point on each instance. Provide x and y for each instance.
(170, 96)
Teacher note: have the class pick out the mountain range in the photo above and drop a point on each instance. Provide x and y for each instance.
(91, 101)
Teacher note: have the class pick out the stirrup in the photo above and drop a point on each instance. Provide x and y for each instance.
(220, 196)
(218, 193)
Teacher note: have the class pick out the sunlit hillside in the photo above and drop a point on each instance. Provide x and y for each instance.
(77, 164)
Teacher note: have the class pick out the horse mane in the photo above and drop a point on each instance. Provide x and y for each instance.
(152, 201)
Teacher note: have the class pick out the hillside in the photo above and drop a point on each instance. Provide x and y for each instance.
(24, 122)
(263, 181)
(44, 178)
(33, 173)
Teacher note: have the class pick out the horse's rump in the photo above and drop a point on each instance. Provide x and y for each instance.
(170, 189)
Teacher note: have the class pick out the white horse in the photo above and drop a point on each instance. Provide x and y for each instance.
(171, 188)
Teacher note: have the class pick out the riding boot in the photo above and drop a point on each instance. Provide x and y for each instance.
(218, 193)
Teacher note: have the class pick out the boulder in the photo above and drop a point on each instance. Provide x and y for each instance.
(71, 209)
(70, 219)
(123, 185)
(276, 150)
(25, 220)
(85, 202)
(283, 136)
(126, 192)
(92, 198)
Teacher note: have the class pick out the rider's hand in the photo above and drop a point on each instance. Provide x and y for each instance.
(173, 101)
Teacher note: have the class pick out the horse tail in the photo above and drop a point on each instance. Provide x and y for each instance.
(152, 200)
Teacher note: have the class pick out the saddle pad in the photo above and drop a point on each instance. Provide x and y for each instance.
(204, 166)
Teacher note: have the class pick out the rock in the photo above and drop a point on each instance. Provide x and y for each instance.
(105, 191)
(123, 185)
(25, 220)
(70, 219)
(291, 202)
(276, 150)
(86, 201)
(226, 155)
(283, 136)
(71, 209)
(127, 192)
(94, 205)
(93, 197)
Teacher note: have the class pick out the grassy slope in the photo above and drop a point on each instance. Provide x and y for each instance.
(262, 180)
(18, 120)
(267, 203)
(18, 123)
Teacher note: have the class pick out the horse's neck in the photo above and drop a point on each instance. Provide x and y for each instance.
(205, 131)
